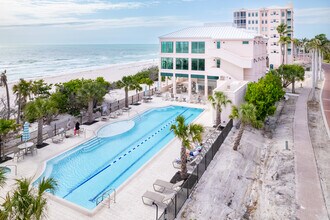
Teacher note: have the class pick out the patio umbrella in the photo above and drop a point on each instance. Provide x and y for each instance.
(26, 132)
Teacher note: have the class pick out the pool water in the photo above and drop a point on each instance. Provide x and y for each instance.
(85, 172)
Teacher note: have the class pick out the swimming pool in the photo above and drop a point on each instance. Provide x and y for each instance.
(104, 162)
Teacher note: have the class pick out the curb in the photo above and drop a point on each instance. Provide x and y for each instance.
(322, 110)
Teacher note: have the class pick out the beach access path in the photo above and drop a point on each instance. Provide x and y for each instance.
(308, 187)
(325, 96)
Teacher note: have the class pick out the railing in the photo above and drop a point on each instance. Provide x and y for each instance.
(107, 195)
(173, 208)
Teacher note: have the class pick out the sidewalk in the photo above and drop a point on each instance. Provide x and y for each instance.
(308, 188)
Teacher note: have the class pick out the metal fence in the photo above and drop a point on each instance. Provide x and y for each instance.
(55, 126)
(173, 208)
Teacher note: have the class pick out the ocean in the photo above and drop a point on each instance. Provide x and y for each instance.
(30, 61)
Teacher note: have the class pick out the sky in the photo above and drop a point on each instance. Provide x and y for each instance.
(135, 21)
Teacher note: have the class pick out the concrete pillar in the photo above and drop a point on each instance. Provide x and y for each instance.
(206, 87)
(189, 87)
(159, 82)
(174, 83)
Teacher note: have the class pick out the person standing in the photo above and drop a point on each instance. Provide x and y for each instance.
(77, 128)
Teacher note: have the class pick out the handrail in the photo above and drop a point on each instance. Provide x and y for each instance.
(106, 194)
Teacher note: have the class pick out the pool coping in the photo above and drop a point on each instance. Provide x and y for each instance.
(100, 206)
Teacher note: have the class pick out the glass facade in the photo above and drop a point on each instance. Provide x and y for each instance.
(167, 63)
(167, 47)
(245, 42)
(197, 47)
(218, 63)
(218, 44)
(182, 47)
(182, 63)
(198, 64)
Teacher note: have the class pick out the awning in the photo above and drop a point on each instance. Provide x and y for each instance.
(213, 77)
(181, 75)
(166, 74)
(197, 76)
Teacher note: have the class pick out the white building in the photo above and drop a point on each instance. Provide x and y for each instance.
(211, 57)
(265, 22)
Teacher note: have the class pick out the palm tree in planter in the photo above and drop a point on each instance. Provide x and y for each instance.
(39, 109)
(283, 30)
(128, 83)
(6, 126)
(22, 90)
(2, 178)
(149, 82)
(187, 134)
(247, 114)
(3, 82)
(27, 202)
(219, 100)
(90, 93)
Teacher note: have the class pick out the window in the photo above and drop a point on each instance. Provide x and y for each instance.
(256, 29)
(167, 47)
(252, 14)
(256, 14)
(262, 14)
(249, 22)
(182, 47)
(218, 44)
(249, 15)
(252, 21)
(167, 63)
(245, 42)
(197, 47)
(282, 21)
(198, 64)
(218, 63)
(262, 21)
(283, 14)
(256, 21)
(265, 28)
(262, 28)
(181, 64)
(249, 28)
(265, 21)
(266, 14)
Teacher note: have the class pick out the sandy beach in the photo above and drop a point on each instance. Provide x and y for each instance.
(112, 73)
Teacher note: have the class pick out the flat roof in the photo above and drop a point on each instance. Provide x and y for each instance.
(213, 32)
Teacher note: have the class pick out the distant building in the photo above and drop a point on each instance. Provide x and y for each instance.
(211, 57)
(265, 21)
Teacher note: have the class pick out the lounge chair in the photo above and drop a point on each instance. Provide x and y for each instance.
(157, 198)
(190, 164)
(55, 139)
(113, 115)
(161, 186)
(19, 154)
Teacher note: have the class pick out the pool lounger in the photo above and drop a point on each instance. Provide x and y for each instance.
(161, 185)
(157, 198)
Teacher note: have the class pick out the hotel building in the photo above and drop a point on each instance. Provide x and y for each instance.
(209, 58)
(265, 21)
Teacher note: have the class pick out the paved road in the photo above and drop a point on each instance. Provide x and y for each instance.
(326, 93)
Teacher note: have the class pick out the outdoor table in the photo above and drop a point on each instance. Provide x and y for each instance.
(25, 146)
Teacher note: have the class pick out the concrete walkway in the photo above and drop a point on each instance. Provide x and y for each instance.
(326, 96)
(308, 188)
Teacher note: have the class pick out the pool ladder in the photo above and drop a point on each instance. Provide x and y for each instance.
(107, 195)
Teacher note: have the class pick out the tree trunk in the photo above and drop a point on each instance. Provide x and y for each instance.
(90, 111)
(316, 67)
(282, 47)
(218, 117)
(184, 172)
(313, 75)
(39, 138)
(293, 82)
(126, 97)
(1, 156)
(320, 65)
(19, 110)
(8, 100)
(239, 136)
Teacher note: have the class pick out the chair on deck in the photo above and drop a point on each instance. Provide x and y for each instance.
(157, 198)
(161, 186)
(18, 154)
(55, 139)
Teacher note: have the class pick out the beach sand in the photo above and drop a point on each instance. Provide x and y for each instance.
(112, 73)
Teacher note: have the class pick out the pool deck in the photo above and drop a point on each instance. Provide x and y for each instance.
(128, 201)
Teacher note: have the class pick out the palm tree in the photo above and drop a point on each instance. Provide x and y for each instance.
(219, 100)
(22, 90)
(2, 177)
(128, 83)
(3, 82)
(283, 30)
(90, 92)
(149, 82)
(313, 46)
(40, 89)
(304, 42)
(297, 44)
(27, 202)
(323, 48)
(38, 110)
(187, 134)
(6, 126)
(247, 114)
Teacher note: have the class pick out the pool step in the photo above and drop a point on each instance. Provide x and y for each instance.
(92, 144)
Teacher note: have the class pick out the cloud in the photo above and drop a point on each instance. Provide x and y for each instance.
(312, 15)
(25, 12)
